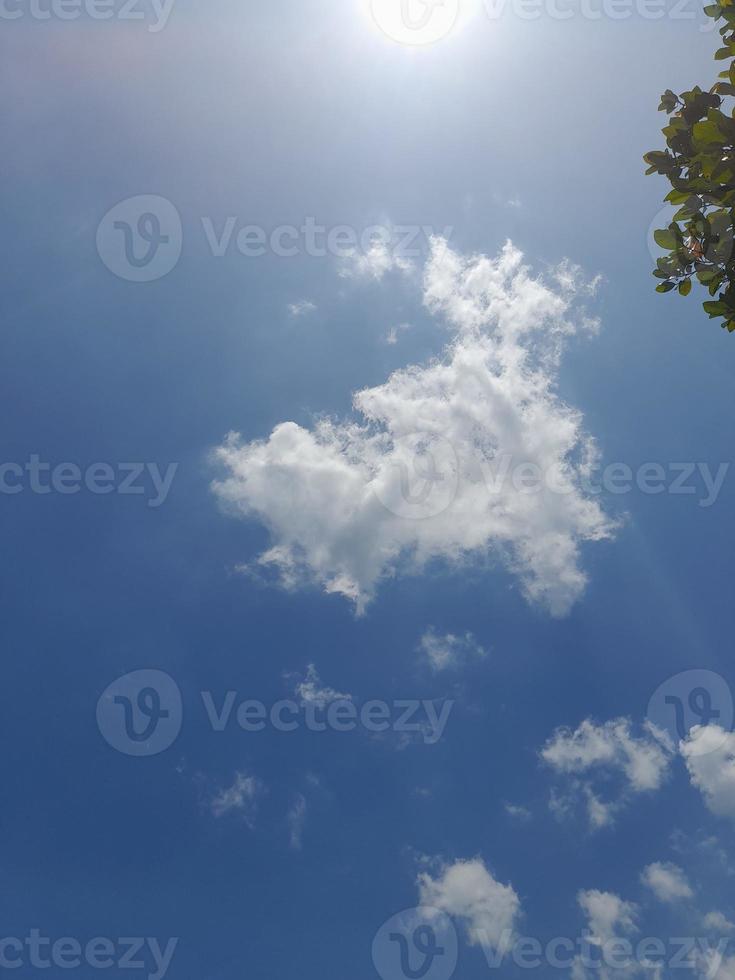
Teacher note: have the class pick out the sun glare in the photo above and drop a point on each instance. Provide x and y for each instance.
(417, 22)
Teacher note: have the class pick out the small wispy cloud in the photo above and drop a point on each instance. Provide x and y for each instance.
(301, 308)
(392, 337)
(374, 263)
(667, 882)
(519, 813)
(718, 922)
(640, 761)
(311, 690)
(445, 651)
(241, 798)
(296, 820)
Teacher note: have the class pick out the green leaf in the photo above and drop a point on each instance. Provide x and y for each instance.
(707, 132)
(714, 309)
(677, 197)
(685, 287)
(665, 238)
(666, 287)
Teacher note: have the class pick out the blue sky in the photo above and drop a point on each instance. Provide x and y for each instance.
(274, 854)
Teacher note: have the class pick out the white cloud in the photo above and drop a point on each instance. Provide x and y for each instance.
(430, 473)
(517, 812)
(310, 690)
(391, 338)
(608, 914)
(610, 921)
(561, 805)
(718, 922)
(600, 814)
(641, 761)
(714, 966)
(445, 651)
(240, 798)
(468, 891)
(667, 882)
(373, 263)
(709, 753)
(301, 308)
(644, 759)
(704, 848)
(296, 820)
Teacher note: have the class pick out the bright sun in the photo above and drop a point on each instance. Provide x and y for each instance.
(415, 22)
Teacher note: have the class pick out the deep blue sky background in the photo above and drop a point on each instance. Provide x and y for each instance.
(273, 112)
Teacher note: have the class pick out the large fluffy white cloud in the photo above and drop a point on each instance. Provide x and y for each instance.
(709, 754)
(466, 890)
(469, 456)
(641, 761)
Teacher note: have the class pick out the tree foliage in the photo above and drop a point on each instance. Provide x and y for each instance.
(699, 163)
